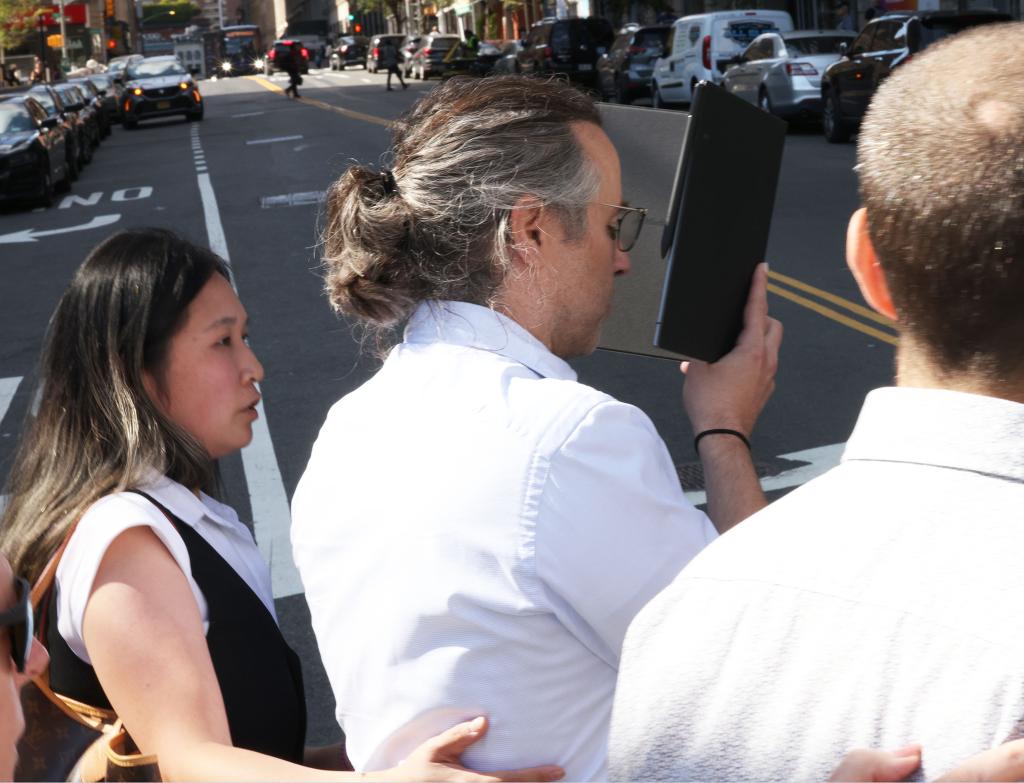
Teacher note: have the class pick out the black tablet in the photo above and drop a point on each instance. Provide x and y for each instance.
(717, 226)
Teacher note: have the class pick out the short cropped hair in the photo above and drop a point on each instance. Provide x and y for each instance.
(941, 166)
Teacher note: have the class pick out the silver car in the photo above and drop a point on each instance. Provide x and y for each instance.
(781, 72)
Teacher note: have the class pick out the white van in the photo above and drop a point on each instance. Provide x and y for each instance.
(701, 46)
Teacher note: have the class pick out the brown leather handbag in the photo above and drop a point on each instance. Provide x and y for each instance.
(65, 739)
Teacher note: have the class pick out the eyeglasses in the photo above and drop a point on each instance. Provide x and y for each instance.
(627, 226)
(21, 624)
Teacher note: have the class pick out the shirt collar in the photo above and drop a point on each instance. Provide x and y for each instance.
(940, 427)
(461, 323)
(184, 504)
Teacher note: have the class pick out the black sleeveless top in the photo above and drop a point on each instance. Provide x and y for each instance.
(259, 674)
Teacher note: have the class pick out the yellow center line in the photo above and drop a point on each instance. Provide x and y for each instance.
(354, 115)
(835, 315)
(846, 304)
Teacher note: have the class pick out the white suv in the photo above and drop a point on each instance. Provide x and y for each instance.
(702, 46)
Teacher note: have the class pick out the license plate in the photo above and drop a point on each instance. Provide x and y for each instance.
(585, 67)
(163, 104)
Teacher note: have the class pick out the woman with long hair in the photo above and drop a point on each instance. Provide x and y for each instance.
(163, 610)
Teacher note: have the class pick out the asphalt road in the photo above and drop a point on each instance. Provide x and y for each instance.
(250, 172)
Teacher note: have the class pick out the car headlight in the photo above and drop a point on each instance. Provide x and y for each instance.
(137, 91)
(258, 62)
(184, 85)
(226, 66)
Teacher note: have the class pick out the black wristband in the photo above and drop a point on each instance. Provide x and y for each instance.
(720, 431)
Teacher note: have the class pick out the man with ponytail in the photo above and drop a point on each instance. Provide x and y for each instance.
(476, 529)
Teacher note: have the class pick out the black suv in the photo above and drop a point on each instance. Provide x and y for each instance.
(884, 44)
(624, 73)
(349, 50)
(567, 46)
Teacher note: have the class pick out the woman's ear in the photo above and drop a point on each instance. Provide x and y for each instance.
(864, 264)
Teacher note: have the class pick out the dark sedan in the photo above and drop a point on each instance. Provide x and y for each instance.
(108, 90)
(95, 99)
(75, 101)
(440, 55)
(159, 87)
(32, 156)
(77, 147)
(350, 50)
(884, 44)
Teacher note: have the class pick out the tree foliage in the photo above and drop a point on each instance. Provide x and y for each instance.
(17, 21)
(392, 8)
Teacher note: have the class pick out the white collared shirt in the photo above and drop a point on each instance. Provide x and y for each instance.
(110, 516)
(876, 606)
(475, 531)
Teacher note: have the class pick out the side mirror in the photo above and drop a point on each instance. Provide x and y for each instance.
(843, 48)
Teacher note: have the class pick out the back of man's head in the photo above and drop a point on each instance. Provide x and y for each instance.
(941, 165)
(438, 227)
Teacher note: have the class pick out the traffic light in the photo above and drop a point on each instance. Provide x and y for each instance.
(111, 43)
(357, 28)
(351, 17)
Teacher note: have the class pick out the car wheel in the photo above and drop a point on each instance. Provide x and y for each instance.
(832, 121)
(341, 66)
(45, 198)
(764, 102)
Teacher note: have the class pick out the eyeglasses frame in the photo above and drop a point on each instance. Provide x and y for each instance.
(618, 223)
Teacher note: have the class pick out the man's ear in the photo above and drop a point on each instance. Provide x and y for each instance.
(863, 262)
(526, 226)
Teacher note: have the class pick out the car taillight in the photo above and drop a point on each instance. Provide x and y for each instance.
(376, 53)
(705, 52)
(271, 54)
(635, 50)
(547, 52)
(801, 69)
(426, 50)
(305, 52)
(344, 49)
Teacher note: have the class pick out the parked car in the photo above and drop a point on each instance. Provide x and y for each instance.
(159, 87)
(439, 54)
(32, 154)
(77, 151)
(781, 72)
(76, 99)
(702, 47)
(349, 50)
(508, 61)
(95, 101)
(487, 56)
(410, 45)
(373, 63)
(884, 44)
(280, 54)
(566, 46)
(624, 73)
(108, 90)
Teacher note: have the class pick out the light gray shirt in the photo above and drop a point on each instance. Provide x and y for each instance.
(877, 606)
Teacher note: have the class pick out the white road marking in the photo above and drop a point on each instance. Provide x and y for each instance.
(820, 459)
(8, 387)
(364, 80)
(267, 498)
(31, 235)
(293, 199)
(248, 114)
(275, 139)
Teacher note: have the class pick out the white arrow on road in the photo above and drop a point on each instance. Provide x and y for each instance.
(31, 235)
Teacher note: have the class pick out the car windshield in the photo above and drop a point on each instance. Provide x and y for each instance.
(825, 44)
(652, 39)
(240, 45)
(443, 44)
(46, 100)
(101, 81)
(14, 119)
(156, 68)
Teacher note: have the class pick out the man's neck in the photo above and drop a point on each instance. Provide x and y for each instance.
(914, 370)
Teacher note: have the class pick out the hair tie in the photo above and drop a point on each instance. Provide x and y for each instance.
(388, 181)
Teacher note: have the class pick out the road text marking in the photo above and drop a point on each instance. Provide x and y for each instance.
(31, 235)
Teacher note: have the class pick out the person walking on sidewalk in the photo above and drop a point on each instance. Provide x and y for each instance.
(294, 72)
(389, 57)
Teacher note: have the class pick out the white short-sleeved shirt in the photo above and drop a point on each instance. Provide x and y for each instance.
(474, 531)
(110, 516)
